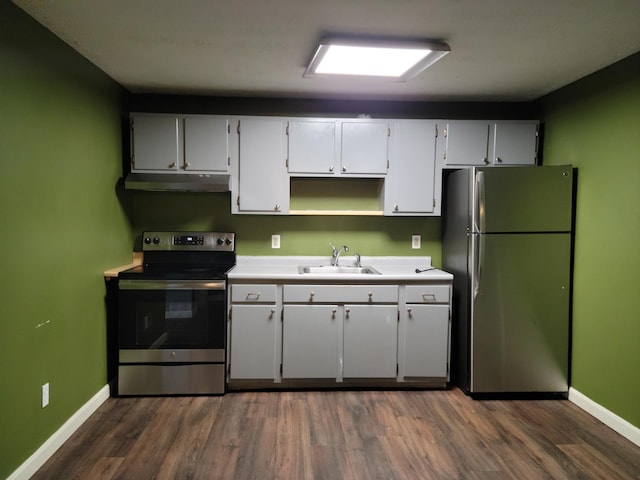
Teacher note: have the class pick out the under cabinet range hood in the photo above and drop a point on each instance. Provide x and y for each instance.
(177, 182)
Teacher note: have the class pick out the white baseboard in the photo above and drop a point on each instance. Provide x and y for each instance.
(55, 441)
(607, 417)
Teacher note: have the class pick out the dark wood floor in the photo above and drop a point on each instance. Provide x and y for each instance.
(440, 434)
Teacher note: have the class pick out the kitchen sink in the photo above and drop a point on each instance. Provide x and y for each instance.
(334, 270)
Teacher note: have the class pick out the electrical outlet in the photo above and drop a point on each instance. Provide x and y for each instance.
(275, 241)
(45, 395)
(415, 241)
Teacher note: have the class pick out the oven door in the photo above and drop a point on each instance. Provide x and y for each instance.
(172, 320)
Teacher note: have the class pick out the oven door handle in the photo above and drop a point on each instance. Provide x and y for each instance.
(171, 284)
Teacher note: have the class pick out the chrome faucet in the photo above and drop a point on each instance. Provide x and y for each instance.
(335, 257)
(358, 260)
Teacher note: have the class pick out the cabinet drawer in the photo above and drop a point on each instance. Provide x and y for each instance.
(428, 293)
(253, 293)
(340, 294)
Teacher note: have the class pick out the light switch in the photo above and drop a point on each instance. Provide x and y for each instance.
(415, 241)
(275, 241)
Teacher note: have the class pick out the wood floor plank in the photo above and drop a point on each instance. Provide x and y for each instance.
(345, 435)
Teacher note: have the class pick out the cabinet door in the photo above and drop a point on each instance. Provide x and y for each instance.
(515, 143)
(410, 184)
(310, 341)
(253, 342)
(364, 147)
(312, 146)
(206, 144)
(370, 341)
(466, 143)
(156, 143)
(262, 181)
(426, 342)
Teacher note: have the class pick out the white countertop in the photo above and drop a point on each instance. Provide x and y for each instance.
(286, 268)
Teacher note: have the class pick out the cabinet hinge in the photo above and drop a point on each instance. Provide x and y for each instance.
(398, 316)
(434, 203)
(238, 128)
(228, 161)
(229, 128)
(286, 163)
(287, 130)
(388, 131)
(436, 131)
(238, 200)
(280, 369)
(387, 164)
(230, 310)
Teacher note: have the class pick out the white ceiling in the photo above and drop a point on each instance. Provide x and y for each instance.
(504, 50)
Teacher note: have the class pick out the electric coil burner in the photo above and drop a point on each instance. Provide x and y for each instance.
(172, 315)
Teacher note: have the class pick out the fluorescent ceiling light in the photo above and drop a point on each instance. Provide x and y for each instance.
(394, 60)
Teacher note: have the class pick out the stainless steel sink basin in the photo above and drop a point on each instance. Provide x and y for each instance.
(331, 270)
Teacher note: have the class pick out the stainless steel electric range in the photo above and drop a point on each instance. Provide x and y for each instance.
(172, 315)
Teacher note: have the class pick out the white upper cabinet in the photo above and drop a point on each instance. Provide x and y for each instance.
(260, 183)
(364, 147)
(332, 147)
(414, 182)
(179, 143)
(312, 146)
(479, 142)
(206, 144)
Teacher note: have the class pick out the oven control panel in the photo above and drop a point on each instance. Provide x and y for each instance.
(188, 241)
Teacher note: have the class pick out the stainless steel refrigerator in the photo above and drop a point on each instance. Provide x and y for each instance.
(507, 238)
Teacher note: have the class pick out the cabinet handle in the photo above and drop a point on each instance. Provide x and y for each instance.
(277, 208)
(409, 312)
(425, 296)
(331, 168)
(485, 160)
(172, 165)
(311, 295)
(333, 313)
(396, 208)
(498, 159)
(347, 311)
(344, 169)
(370, 296)
(273, 312)
(187, 165)
(253, 296)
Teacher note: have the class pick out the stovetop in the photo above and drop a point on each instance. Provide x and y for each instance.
(184, 256)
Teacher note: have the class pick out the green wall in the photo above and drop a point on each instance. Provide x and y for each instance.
(300, 235)
(595, 125)
(62, 225)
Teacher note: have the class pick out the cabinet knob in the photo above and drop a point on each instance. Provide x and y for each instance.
(331, 168)
(409, 311)
(273, 312)
(172, 165)
(277, 207)
(344, 169)
(396, 208)
(498, 159)
(370, 295)
(311, 295)
(187, 165)
(485, 160)
(347, 311)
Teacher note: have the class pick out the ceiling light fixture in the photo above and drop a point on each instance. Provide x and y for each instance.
(392, 59)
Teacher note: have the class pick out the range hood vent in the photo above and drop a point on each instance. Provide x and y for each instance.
(177, 182)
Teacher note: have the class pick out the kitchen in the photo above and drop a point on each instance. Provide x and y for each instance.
(66, 216)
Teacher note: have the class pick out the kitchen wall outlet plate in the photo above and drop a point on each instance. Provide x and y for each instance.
(45, 395)
(275, 241)
(416, 240)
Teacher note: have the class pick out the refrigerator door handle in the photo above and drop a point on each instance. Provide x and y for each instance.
(478, 214)
(478, 253)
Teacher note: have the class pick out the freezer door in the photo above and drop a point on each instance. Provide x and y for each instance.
(520, 312)
(522, 199)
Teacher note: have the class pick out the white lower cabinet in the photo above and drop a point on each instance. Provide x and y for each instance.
(310, 341)
(370, 341)
(254, 333)
(425, 337)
